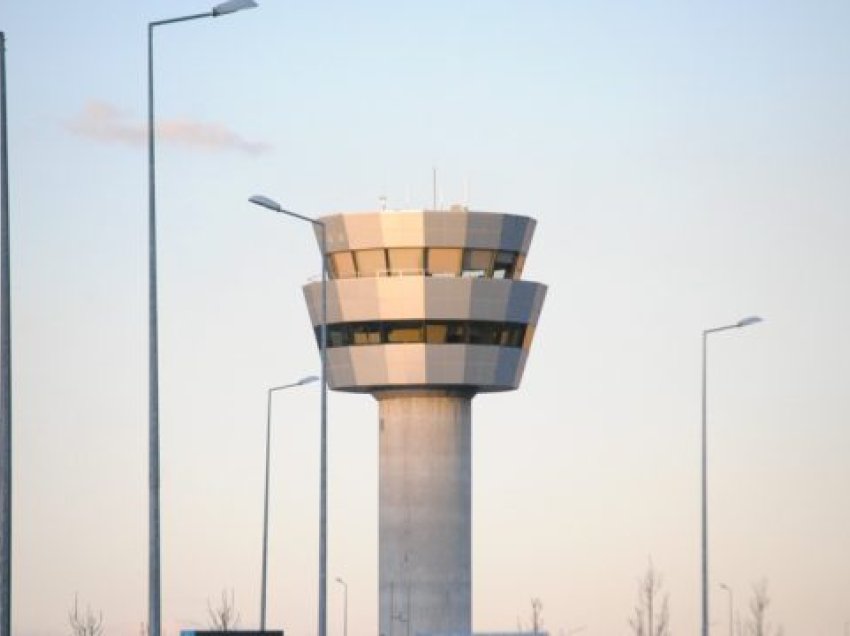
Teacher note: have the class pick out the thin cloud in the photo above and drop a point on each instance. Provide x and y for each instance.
(104, 122)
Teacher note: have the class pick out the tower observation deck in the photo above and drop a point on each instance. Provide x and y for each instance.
(425, 310)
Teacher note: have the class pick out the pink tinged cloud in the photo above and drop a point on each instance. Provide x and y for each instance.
(104, 122)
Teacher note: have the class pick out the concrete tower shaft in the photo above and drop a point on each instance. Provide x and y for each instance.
(424, 529)
(426, 309)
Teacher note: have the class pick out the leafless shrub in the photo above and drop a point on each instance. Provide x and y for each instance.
(652, 618)
(224, 617)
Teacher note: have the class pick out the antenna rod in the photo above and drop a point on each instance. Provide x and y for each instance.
(434, 184)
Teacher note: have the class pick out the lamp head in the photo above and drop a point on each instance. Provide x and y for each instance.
(232, 6)
(308, 379)
(271, 204)
(749, 320)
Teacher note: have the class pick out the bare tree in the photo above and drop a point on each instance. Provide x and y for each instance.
(757, 624)
(85, 624)
(224, 616)
(652, 613)
(536, 615)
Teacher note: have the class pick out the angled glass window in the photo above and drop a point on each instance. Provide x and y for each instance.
(477, 263)
(436, 333)
(503, 265)
(484, 333)
(338, 335)
(404, 331)
(364, 333)
(406, 261)
(444, 261)
(342, 265)
(371, 263)
(512, 335)
(456, 333)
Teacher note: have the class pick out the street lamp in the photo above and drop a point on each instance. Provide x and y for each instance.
(344, 606)
(274, 206)
(302, 381)
(744, 322)
(729, 590)
(154, 600)
(5, 370)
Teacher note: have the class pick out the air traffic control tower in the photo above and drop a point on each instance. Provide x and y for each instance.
(425, 310)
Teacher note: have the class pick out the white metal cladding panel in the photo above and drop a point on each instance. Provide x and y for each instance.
(335, 234)
(403, 229)
(489, 299)
(446, 364)
(484, 230)
(406, 364)
(529, 234)
(417, 298)
(522, 301)
(537, 307)
(427, 228)
(363, 230)
(509, 367)
(399, 298)
(481, 363)
(340, 367)
(448, 298)
(369, 364)
(372, 367)
(445, 229)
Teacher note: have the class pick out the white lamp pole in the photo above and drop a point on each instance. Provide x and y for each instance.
(5, 370)
(302, 381)
(731, 606)
(154, 596)
(344, 606)
(744, 322)
(274, 206)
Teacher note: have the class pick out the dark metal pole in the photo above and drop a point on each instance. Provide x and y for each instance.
(5, 370)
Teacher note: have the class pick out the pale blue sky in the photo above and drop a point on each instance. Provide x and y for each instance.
(688, 165)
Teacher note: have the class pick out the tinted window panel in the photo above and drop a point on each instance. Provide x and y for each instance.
(404, 332)
(433, 332)
(456, 333)
(371, 263)
(406, 261)
(503, 266)
(444, 261)
(342, 265)
(366, 333)
(436, 333)
(477, 263)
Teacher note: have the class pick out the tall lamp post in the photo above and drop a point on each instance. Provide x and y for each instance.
(5, 370)
(744, 322)
(731, 606)
(154, 596)
(302, 381)
(344, 606)
(274, 206)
